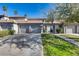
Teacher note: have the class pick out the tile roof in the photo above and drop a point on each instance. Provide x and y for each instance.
(21, 19)
(17, 17)
(6, 21)
(36, 18)
(57, 21)
(75, 23)
(28, 21)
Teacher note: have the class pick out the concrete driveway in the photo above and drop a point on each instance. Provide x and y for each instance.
(22, 45)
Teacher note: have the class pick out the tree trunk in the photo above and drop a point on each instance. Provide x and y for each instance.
(5, 13)
(54, 28)
(76, 29)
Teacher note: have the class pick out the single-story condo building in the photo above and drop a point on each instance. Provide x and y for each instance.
(22, 24)
(72, 28)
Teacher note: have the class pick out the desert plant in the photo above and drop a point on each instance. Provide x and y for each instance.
(4, 8)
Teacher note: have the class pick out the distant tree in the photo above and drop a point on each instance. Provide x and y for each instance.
(25, 15)
(74, 17)
(15, 12)
(50, 16)
(4, 8)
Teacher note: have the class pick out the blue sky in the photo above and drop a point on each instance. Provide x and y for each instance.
(33, 10)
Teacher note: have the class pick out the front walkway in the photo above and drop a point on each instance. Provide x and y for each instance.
(69, 40)
(22, 45)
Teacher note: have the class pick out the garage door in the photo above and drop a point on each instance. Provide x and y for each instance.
(69, 30)
(24, 29)
(35, 29)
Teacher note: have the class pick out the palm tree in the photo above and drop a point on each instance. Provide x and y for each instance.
(15, 12)
(4, 9)
(25, 15)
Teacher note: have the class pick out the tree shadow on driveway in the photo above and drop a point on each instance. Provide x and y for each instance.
(23, 40)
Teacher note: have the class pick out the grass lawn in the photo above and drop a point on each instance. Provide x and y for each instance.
(54, 46)
(76, 38)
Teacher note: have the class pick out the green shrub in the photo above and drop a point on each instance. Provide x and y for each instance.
(59, 30)
(6, 32)
(11, 32)
(44, 31)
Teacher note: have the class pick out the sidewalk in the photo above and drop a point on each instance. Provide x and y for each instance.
(69, 40)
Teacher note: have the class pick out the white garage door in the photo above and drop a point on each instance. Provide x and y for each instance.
(24, 29)
(69, 30)
(35, 29)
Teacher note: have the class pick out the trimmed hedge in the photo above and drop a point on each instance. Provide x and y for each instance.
(11, 32)
(6, 32)
(60, 30)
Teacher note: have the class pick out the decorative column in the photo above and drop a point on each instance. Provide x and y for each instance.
(41, 28)
(0, 28)
(15, 27)
(30, 29)
(48, 29)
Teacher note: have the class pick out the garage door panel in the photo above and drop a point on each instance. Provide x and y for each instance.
(24, 29)
(35, 29)
(69, 29)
